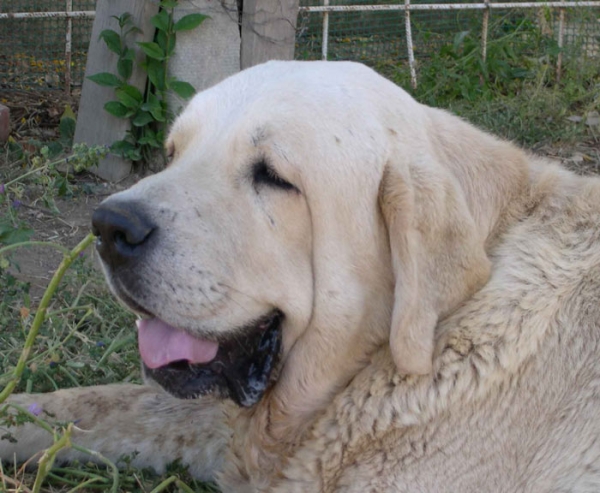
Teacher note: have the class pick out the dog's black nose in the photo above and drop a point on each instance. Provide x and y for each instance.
(122, 230)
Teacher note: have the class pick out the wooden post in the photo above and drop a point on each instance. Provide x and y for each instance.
(268, 31)
(94, 125)
(208, 54)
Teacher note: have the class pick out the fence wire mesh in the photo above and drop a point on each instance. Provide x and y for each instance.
(376, 37)
(32, 50)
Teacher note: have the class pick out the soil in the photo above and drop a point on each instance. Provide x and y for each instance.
(35, 118)
(37, 263)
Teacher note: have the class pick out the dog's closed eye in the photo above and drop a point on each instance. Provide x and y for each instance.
(264, 174)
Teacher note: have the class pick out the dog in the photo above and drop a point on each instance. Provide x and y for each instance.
(343, 290)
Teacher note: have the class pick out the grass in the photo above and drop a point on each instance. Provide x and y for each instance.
(88, 338)
(514, 93)
(85, 340)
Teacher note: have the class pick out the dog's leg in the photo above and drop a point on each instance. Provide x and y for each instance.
(146, 424)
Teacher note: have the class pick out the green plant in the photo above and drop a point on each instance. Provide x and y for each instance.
(51, 175)
(513, 92)
(75, 334)
(148, 112)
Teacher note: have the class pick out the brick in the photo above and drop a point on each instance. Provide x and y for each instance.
(4, 123)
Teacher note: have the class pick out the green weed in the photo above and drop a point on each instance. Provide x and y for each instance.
(82, 335)
(148, 112)
(514, 92)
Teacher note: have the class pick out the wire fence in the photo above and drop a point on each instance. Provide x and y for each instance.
(43, 43)
(381, 33)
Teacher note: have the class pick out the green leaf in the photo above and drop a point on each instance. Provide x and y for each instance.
(116, 109)
(134, 155)
(142, 118)
(158, 114)
(459, 39)
(161, 21)
(61, 184)
(121, 147)
(133, 30)
(134, 92)
(153, 102)
(106, 79)
(129, 55)
(10, 234)
(152, 50)
(154, 106)
(126, 149)
(125, 68)
(182, 89)
(150, 141)
(124, 19)
(112, 40)
(66, 128)
(156, 73)
(68, 113)
(129, 96)
(168, 4)
(188, 22)
(56, 148)
(166, 43)
(126, 100)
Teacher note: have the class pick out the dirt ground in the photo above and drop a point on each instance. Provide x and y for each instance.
(37, 263)
(36, 116)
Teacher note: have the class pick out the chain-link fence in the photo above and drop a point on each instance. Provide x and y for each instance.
(329, 30)
(35, 52)
(43, 43)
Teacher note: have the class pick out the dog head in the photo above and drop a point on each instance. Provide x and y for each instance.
(311, 212)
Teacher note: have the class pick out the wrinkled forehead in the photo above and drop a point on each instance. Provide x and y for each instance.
(283, 98)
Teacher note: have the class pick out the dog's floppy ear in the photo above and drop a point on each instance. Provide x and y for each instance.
(437, 253)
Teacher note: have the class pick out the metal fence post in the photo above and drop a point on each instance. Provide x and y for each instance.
(409, 45)
(561, 35)
(325, 37)
(68, 46)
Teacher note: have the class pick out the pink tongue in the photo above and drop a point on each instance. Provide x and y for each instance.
(161, 344)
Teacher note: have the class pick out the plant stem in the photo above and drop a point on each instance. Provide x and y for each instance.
(44, 425)
(36, 170)
(40, 315)
(168, 481)
(114, 470)
(31, 172)
(84, 484)
(34, 243)
(45, 463)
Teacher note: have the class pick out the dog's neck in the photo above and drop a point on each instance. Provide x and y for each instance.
(497, 191)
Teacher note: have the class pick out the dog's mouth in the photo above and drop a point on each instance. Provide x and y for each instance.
(240, 366)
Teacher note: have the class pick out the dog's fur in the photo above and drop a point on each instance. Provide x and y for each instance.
(440, 288)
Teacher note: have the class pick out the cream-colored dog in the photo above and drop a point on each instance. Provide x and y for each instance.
(357, 292)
